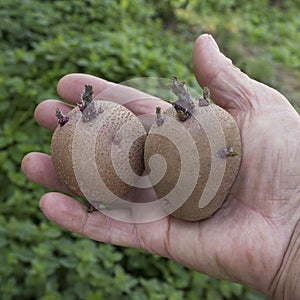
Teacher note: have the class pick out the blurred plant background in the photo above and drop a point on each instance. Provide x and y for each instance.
(115, 39)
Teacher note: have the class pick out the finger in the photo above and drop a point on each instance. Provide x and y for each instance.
(46, 117)
(38, 167)
(230, 88)
(44, 113)
(73, 216)
(70, 88)
(168, 237)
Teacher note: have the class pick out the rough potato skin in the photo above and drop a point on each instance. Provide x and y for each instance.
(107, 124)
(61, 152)
(93, 141)
(158, 144)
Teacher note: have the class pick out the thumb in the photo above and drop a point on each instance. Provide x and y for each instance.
(230, 88)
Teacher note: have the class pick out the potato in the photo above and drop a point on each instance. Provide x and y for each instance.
(201, 145)
(100, 150)
(94, 150)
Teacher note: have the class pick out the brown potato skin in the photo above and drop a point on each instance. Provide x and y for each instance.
(61, 152)
(114, 117)
(142, 150)
(156, 144)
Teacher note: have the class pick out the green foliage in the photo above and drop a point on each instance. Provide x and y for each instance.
(43, 40)
(262, 39)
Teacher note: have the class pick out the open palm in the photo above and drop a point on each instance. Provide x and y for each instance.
(251, 238)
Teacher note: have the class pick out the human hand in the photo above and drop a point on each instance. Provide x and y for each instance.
(253, 239)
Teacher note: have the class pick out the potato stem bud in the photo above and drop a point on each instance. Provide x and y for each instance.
(227, 152)
(62, 119)
(204, 100)
(87, 104)
(182, 113)
(86, 97)
(159, 117)
(184, 98)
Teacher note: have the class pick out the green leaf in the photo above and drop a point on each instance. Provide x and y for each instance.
(212, 294)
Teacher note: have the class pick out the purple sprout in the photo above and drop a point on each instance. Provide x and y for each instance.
(182, 113)
(159, 118)
(227, 152)
(87, 104)
(62, 119)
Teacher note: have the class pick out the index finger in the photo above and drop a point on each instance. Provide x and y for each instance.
(70, 88)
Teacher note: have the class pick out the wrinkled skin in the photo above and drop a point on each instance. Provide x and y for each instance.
(254, 238)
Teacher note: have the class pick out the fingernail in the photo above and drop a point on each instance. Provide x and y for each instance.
(212, 40)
